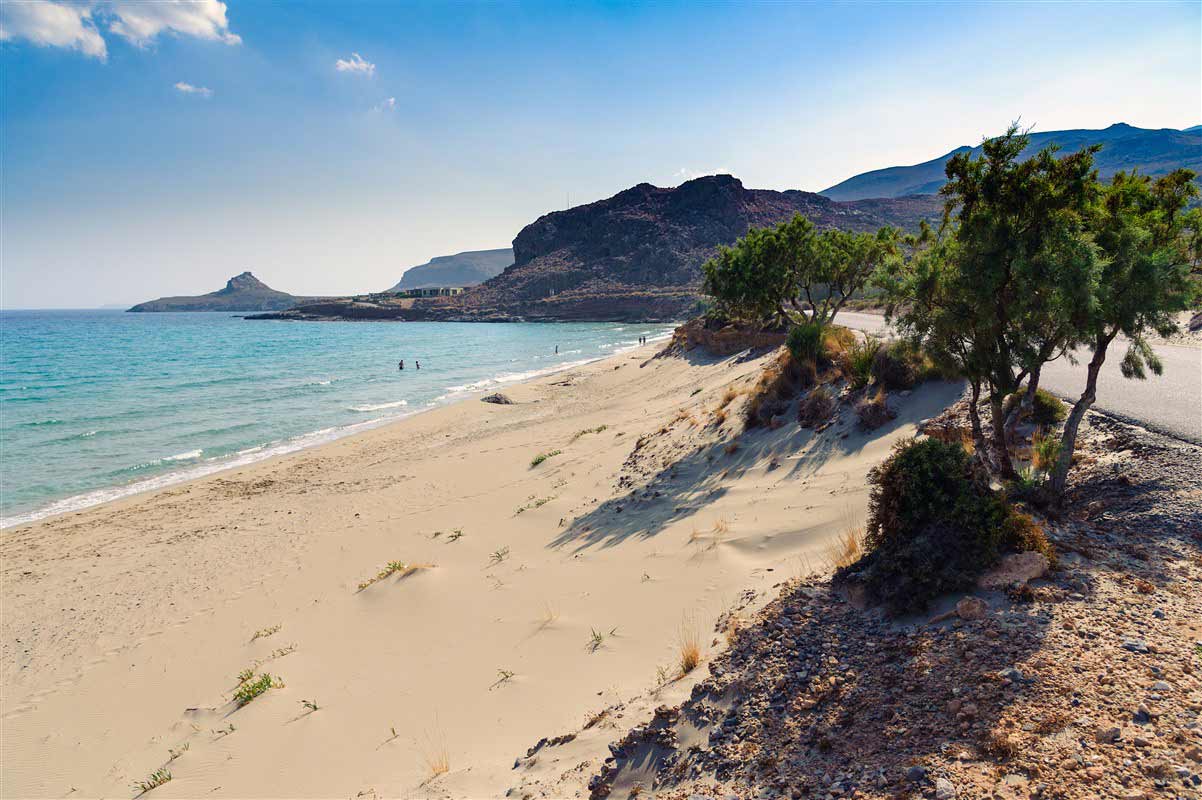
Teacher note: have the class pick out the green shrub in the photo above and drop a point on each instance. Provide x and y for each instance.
(1022, 533)
(1047, 410)
(860, 358)
(1045, 449)
(934, 526)
(805, 341)
(778, 384)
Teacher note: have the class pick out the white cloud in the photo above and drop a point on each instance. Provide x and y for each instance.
(688, 174)
(385, 105)
(50, 24)
(140, 21)
(187, 88)
(355, 64)
(74, 23)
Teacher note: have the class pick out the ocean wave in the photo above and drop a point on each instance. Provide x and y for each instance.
(188, 456)
(378, 406)
(39, 423)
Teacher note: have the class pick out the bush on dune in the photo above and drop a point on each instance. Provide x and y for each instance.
(934, 525)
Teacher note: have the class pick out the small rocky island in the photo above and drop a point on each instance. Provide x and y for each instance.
(242, 292)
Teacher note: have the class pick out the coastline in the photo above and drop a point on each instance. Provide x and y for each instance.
(546, 593)
(195, 471)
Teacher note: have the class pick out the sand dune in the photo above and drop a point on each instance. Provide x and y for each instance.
(545, 594)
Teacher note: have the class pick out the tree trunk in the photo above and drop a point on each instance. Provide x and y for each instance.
(1024, 409)
(1068, 442)
(978, 434)
(1001, 450)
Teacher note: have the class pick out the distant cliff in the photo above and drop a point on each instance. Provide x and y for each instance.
(462, 269)
(242, 292)
(634, 256)
(1152, 152)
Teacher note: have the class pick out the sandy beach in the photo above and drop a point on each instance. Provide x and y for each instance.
(542, 596)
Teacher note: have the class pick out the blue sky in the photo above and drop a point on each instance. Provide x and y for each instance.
(159, 148)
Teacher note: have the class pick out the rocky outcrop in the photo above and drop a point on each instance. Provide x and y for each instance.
(242, 292)
(469, 268)
(635, 256)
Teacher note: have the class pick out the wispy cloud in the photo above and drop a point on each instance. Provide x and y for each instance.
(76, 24)
(187, 88)
(355, 64)
(385, 105)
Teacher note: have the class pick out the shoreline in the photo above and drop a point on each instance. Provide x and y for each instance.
(562, 548)
(282, 447)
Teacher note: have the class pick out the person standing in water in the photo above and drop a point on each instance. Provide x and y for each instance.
(417, 363)
(556, 349)
(400, 364)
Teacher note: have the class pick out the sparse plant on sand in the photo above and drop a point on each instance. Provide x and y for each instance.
(503, 677)
(174, 753)
(152, 781)
(435, 754)
(226, 731)
(497, 556)
(541, 457)
(455, 535)
(245, 675)
(848, 547)
(309, 705)
(587, 431)
(549, 617)
(533, 504)
(597, 638)
(393, 737)
(690, 646)
(263, 633)
(251, 689)
(402, 568)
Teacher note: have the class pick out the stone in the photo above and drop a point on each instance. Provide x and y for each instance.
(1107, 735)
(916, 774)
(1015, 569)
(497, 399)
(944, 790)
(970, 608)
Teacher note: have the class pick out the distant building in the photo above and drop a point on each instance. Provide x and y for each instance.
(432, 291)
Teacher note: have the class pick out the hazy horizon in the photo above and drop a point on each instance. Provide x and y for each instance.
(155, 150)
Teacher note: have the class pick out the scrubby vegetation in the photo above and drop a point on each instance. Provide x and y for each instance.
(541, 457)
(934, 525)
(816, 407)
(873, 411)
(1046, 410)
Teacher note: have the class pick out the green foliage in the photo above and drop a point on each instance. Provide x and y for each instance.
(805, 342)
(933, 526)
(541, 457)
(153, 781)
(860, 358)
(1021, 533)
(892, 366)
(1045, 451)
(1047, 409)
(253, 688)
(794, 266)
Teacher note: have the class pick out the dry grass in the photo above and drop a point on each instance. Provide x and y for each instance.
(393, 568)
(848, 547)
(728, 397)
(436, 754)
(716, 535)
(719, 416)
(690, 645)
(549, 617)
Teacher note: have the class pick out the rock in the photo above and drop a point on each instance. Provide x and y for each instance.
(1015, 569)
(1135, 645)
(944, 790)
(497, 398)
(970, 608)
(1012, 674)
(916, 774)
(1107, 735)
(1162, 686)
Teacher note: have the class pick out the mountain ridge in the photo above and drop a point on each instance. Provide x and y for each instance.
(1155, 151)
(468, 268)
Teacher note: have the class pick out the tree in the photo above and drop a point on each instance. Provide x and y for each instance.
(1151, 248)
(794, 267)
(1002, 291)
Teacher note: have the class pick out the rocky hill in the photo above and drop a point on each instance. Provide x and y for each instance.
(469, 268)
(242, 292)
(634, 256)
(1153, 152)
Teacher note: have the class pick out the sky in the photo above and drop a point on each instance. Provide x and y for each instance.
(158, 148)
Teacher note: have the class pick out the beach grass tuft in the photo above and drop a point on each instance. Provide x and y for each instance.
(587, 431)
(541, 457)
(849, 546)
(402, 568)
(690, 645)
(263, 633)
(152, 781)
(249, 690)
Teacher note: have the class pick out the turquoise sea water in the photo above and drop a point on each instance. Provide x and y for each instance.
(98, 404)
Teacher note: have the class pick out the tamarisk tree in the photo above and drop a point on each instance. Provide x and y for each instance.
(795, 267)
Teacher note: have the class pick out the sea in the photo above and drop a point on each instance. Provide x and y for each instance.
(97, 405)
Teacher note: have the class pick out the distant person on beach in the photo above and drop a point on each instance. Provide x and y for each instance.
(556, 349)
(401, 364)
(417, 363)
